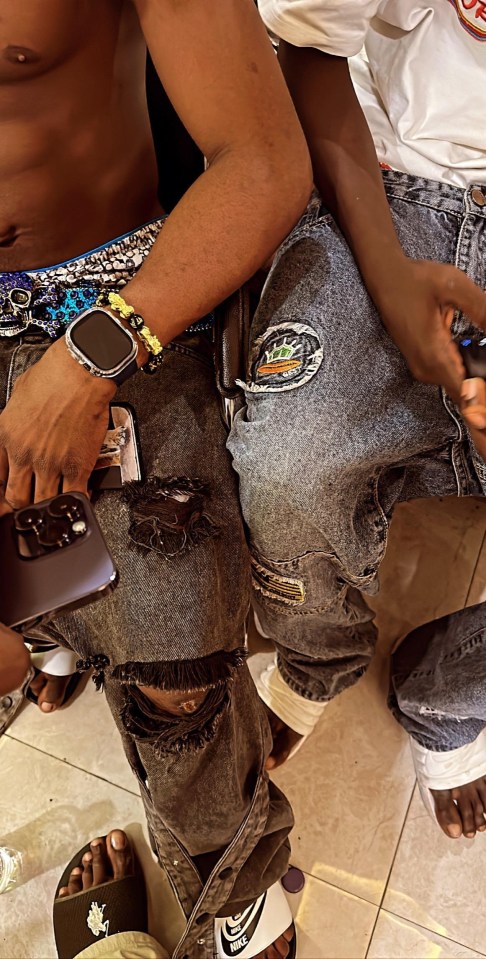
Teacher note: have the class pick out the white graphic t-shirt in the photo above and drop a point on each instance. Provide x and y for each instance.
(419, 68)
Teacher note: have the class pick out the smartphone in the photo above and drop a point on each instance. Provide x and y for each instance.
(53, 558)
(473, 354)
(120, 459)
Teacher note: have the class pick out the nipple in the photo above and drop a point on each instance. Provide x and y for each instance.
(15, 54)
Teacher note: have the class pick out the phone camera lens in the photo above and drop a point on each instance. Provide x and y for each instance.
(79, 527)
(55, 533)
(28, 519)
(65, 505)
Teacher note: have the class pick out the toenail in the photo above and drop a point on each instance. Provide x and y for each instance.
(455, 832)
(118, 840)
(47, 707)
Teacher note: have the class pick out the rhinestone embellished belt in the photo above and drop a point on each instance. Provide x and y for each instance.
(26, 302)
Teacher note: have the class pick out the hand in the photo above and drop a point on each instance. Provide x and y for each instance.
(14, 660)
(473, 409)
(417, 309)
(52, 429)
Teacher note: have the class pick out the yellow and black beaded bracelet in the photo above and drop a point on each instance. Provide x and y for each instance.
(152, 343)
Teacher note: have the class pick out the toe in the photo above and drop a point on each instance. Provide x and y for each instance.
(478, 810)
(64, 891)
(281, 947)
(75, 881)
(482, 795)
(87, 870)
(119, 852)
(283, 743)
(447, 813)
(101, 863)
(52, 693)
(466, 812)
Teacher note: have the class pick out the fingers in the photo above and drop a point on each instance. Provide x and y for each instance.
(76, 483)
(473, 402)
(4, 507)
(46, 486)
(464, 295)
(18, 491)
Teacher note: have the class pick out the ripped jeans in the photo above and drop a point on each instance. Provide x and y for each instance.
(336, 432)
(176, 622)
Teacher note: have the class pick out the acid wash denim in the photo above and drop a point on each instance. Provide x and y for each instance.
(176, 621)
(335, 433)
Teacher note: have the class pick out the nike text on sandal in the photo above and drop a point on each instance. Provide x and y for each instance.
(257, 927)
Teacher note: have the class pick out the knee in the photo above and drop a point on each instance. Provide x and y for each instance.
(175, 702)
(176, 706)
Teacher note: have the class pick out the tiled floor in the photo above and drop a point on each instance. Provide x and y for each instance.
(382, 881)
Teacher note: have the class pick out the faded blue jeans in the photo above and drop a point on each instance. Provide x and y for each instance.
(177, 618)
(335, 432)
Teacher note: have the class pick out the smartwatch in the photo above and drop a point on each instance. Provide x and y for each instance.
(100, 343)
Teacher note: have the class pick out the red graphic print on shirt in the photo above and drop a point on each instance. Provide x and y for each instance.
(472, 14)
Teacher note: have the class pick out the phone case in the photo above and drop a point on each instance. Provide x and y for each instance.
(119, 461)
(53, 558)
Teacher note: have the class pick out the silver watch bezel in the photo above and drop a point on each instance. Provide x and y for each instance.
(85, 361)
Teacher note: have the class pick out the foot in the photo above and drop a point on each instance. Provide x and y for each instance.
(280, 948)
(461, 811)
(50, 691)
(108, 859)
(111, 858)
(284, 740)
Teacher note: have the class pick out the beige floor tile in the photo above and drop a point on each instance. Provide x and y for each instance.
(48, 810)
(437, 882)
(331, 924)
(351, 783)
(477, 589)
(396, 938)
(349, 786)
(433, 550)
(84, 734)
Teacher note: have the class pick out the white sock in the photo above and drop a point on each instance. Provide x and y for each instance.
(302, 715)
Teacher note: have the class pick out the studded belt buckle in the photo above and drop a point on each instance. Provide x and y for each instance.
(15, 302)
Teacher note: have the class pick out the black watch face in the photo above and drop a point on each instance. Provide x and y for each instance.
(102, 341)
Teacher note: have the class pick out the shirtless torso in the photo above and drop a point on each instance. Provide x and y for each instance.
(77, 163)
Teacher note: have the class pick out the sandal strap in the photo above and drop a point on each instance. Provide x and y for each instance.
(119, 905)
(257, 927)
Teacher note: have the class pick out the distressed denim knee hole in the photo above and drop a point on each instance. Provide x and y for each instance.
(192, 728)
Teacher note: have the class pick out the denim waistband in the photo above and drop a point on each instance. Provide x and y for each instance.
(436, 195)
(48, 298)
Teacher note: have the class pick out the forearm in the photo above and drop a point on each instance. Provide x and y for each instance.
(345, 165)
(222, 231)
(14, 660)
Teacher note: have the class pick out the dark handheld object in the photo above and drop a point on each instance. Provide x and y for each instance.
(53, 558)
(473, 353)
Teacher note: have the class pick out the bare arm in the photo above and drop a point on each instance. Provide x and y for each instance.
(14, 660)
(416, 299)
(220, 72)
(346, 169)
(217, 65)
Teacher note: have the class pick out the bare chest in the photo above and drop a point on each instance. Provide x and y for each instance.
(38, 35)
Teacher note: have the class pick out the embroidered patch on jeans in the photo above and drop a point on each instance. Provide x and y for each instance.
(282, 588)
(284, 358)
